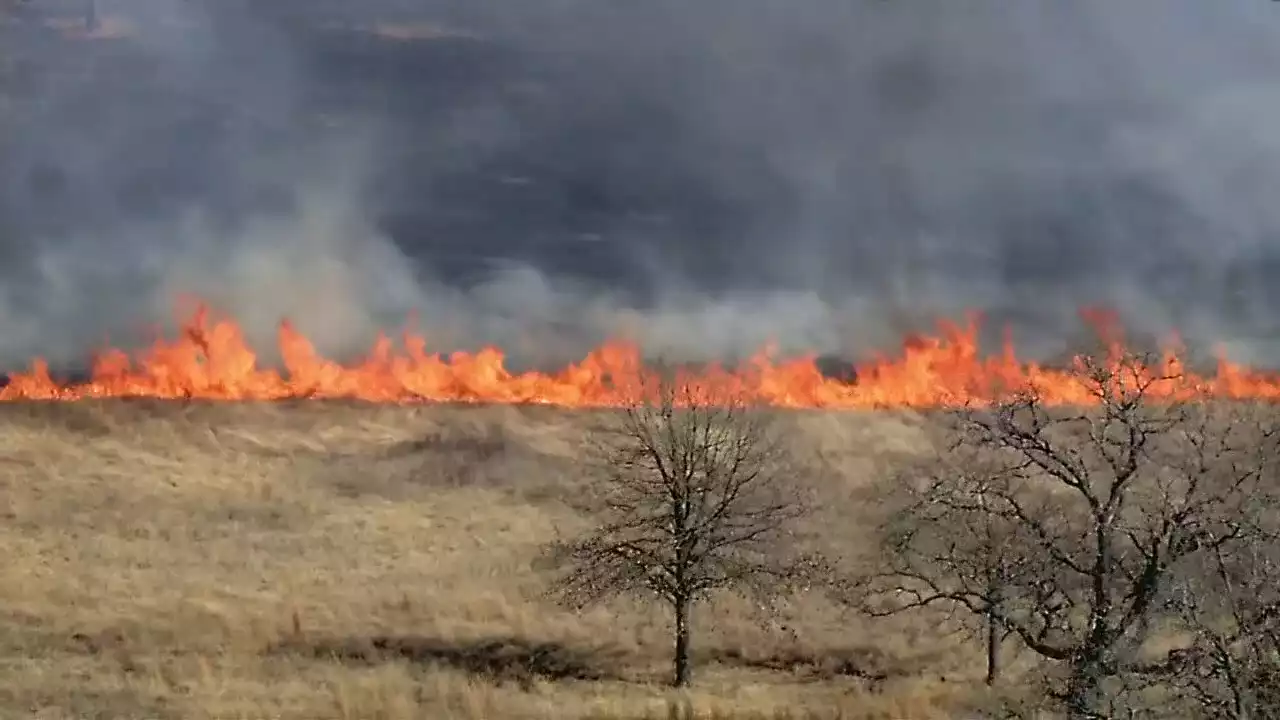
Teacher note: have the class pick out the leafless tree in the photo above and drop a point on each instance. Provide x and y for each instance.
(698, 493)
(1068, 527)
(1230, 603)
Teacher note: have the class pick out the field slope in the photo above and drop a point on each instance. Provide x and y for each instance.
(318, 560)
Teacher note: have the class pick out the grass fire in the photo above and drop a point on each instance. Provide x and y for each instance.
(318, 558)
(210, 360)
(661, 436)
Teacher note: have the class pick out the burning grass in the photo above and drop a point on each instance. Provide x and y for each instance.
(210, 359)
(322, 559)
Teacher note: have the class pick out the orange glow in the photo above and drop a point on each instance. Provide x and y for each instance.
(211, 360)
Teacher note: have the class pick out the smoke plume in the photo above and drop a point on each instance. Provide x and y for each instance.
(704, 177)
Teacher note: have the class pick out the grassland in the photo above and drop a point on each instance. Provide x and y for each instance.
(320, 560)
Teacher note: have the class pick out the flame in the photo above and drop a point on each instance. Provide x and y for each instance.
(210, 359)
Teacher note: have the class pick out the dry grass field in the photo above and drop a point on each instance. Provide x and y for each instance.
(320, 560)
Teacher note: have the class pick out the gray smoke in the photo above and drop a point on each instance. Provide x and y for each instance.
(704, 177)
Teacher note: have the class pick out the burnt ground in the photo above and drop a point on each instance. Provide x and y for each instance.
(597, 166)
(521, 132)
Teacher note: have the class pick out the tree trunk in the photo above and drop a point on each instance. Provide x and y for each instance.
(1084, 698)
(993, 649)
(681, 678)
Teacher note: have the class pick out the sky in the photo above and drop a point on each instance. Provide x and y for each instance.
(704, 177)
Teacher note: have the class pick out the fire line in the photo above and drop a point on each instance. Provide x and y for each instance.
(211, 360)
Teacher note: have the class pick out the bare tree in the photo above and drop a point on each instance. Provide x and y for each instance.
(1096, 513)
(922, 526)
(698, 494)
(1230, 603)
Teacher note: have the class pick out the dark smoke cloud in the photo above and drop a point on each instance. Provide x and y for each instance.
(705, 176)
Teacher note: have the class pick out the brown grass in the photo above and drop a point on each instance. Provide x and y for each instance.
(325, 560)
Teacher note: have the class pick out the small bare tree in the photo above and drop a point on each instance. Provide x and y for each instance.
(698, 494)
(1230, 603)
(914, 535)
(1096, 511)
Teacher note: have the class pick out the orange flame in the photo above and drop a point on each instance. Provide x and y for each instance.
(211, 360)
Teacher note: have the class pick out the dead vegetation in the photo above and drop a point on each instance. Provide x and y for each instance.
(332, 560)
(693, 496)
(1091, 536)
(337, 560)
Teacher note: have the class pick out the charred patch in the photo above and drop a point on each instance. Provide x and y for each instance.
(835, 367)
(499, 659)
